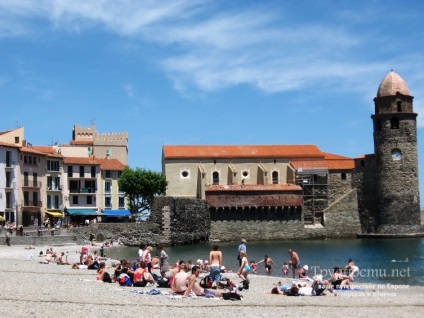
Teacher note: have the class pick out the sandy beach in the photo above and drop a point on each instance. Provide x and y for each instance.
(32, 289)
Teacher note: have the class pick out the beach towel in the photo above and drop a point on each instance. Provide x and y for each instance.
(150, 292)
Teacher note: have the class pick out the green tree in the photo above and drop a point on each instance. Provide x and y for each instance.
(141, 186)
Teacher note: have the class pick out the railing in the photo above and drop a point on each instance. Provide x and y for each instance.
(31, 183)
(27, 203)
(10, 164)
(50, 169)
(54, 188)
(83, 190)
(10, 185)
(53, 207)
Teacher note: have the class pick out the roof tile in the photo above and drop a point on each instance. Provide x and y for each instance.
(242, 151)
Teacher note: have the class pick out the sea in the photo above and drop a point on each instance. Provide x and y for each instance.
(381, 261)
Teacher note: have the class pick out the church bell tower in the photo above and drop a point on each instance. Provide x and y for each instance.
(396, 158)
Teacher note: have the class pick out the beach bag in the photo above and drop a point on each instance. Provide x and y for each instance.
(164, 282)
(206, 282)
(226, 283)
(124, 280)
(232, 296)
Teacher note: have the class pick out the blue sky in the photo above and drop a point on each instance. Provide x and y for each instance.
(207, 72)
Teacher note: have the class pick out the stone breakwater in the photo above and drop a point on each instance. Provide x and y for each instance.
(31, 289)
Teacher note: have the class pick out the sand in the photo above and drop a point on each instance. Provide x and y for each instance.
(31, 289)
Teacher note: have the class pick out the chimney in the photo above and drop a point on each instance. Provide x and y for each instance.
(23, 143)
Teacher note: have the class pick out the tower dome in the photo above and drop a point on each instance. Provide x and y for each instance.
(391, 85)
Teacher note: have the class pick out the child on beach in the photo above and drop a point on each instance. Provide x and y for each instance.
(285, 269)
(254, 267)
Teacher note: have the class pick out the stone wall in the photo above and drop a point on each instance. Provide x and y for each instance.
(131, 234)
(341, 220)
(189, 220)
(364, 181)
(254, 198)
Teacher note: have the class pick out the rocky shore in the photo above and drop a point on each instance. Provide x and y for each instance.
(32, 289)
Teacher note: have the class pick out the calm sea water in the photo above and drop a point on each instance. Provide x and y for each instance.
(380, 261)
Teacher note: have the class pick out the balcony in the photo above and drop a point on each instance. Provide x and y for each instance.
(31, 184)
(10, 186)
(10, 165)
(83, 190)
(54, 188)
(31, 204)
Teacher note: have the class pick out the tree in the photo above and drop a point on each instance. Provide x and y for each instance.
(141, 186)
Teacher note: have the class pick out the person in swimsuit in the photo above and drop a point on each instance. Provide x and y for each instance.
(193, 285)
(141, 276)
(215, 261)
(244, 267)
(352, 269)
(180, 280)
(338, 280)
(146, 258)
(267, 261)
(294, 261)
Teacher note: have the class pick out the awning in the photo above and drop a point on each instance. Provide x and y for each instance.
(56, 214)
(84, 212)
(117, 213)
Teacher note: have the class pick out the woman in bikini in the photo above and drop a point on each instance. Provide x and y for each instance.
(244, 267)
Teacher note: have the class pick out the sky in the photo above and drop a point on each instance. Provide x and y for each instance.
(207, 72)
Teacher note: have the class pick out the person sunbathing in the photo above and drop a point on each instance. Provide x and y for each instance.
(338, 280)
(193, 285)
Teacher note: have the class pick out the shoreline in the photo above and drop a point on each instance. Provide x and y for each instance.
(35, 290)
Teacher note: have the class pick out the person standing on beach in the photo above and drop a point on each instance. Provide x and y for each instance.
(215, 261)
(141, 251)
(7, 238)
(294, 261)
(242, 247)
(163, 264)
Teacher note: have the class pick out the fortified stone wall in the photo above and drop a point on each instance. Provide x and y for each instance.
(339, 183)
(364, 180)
(131, 234)
(182, 220)
(249, 199)
(341, 220)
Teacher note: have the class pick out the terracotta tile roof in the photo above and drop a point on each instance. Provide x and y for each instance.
(105, 164)
(330, 162)
(81, 142)
(80, 161)
(5, 144)
(45, 149)
(247, 151)
(31, 150)
(255, 187)
(111, 164)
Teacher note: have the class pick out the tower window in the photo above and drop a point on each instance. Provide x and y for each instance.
(275, 177)
(215, 177)
(362, 163)
(214, 162)
(343, 176)
(378, 125)
(399, 106)
(394, 123)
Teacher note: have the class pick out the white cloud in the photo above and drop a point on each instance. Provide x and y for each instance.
(211, 48)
